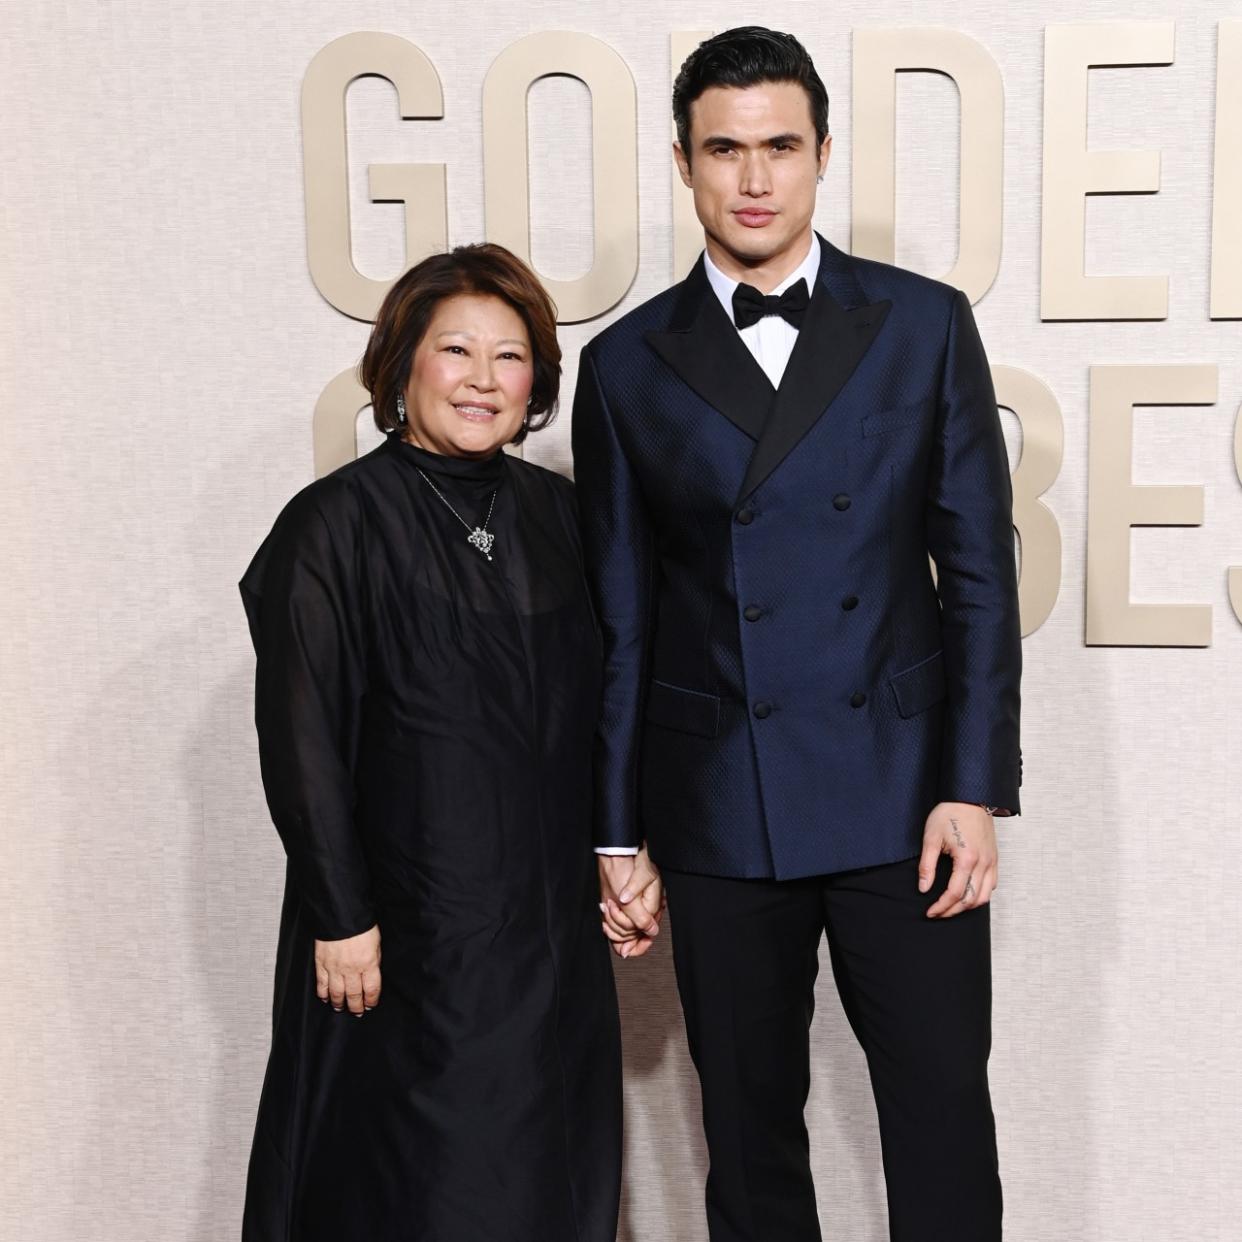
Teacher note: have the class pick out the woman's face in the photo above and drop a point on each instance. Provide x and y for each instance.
(470, 378)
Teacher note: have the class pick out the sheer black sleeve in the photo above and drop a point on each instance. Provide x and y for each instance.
(302, 599)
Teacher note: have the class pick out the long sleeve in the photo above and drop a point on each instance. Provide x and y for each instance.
(970, 537)
(617, 546)
(301, 597)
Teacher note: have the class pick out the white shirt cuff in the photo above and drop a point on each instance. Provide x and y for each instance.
(616, 849)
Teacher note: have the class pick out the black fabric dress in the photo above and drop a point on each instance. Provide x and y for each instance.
(425, 720)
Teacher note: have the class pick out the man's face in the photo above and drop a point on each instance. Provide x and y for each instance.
(753, 166)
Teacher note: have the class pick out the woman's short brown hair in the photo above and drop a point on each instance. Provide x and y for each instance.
(485, 269)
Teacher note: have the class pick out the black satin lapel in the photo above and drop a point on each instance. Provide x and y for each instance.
(704, 348)
(831, 343)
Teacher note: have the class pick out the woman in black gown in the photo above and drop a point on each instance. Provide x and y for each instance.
(427, 685)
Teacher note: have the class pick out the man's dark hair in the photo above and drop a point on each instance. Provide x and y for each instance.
(746, 56)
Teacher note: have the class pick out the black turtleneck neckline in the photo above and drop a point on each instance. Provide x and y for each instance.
(473, 469)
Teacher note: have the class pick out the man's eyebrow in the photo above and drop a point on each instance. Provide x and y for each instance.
(723, 140)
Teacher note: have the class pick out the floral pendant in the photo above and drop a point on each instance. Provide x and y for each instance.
(483, 540)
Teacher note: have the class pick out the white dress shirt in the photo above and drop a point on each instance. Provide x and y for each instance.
(771, 340)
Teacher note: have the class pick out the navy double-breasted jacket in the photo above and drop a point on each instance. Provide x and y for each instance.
(788, 688)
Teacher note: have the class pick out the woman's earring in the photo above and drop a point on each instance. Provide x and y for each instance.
(820, 179)
(401, 409)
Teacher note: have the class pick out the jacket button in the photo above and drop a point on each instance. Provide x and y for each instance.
(841, 502)
(745, 516)
(849, 603)
(857, 699)
(752, 613)
(762, 710)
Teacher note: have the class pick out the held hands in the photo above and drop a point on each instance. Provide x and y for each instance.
(348, 972)
(966, 833)
(631, 901)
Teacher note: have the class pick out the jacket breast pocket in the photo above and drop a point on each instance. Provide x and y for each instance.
(919, 687)
(899, 417)
(687, 711)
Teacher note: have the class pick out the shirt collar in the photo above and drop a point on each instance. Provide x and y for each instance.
(723, 286)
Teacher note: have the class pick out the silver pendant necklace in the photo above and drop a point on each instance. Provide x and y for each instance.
(479, 537)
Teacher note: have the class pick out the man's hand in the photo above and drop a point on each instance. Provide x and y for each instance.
(631, 901)
(347, 972)
(966, 833)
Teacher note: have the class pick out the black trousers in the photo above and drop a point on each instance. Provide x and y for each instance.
(918, 994)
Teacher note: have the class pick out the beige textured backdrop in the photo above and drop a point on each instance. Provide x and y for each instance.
(161, 351)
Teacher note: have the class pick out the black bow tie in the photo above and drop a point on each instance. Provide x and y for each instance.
(750, 306)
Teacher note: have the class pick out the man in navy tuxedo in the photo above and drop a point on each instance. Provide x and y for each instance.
(802, 729)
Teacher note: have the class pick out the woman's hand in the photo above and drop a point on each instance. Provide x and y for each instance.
(347, 972)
